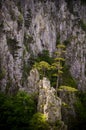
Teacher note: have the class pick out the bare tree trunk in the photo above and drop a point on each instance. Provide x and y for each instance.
(57, 84)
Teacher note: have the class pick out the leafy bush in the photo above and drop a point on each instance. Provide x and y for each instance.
(68, 88)
(80, 107)
(42, 67)
(2, 73)
(67, 79)
(13, 46)
(38, 122)
(16, 111)
(20, 21)
(44, 56)
(47, 60)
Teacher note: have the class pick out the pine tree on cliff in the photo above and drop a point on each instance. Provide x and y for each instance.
(42, 67)
(58, 61)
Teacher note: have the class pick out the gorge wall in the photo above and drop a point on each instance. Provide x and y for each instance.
(27, 27)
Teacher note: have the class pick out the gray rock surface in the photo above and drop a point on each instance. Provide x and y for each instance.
(48, 103)
(28, 27)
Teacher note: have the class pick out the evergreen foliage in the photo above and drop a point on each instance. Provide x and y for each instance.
(45, 59)
(67, 78)
(16, 111)
(82, 24)
(59, 62)
(20, 21)
(2, 73)
(49, 66)
(80, 107)
(68, 88)
(42, 67)
(38, 122)
(44, 56)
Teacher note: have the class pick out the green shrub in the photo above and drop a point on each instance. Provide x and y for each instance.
(66, 42)
(42, 67)
(67, 79)
(68, 88)
(80, 107)
(2, 73)
(28, 39)
(16, 111)
(20, 21)
(19, 5)
(38, 122)
(13, 46)
(44, 56)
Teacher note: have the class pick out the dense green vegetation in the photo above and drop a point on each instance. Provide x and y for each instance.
(80, 107)
(67, 88)
(42, 67)
(67, 78)
(13, 46)
(54, 67)
(44, 56)
(43, 63)
(58, 62)
(38, 122)
(18, 112)
(2, 73)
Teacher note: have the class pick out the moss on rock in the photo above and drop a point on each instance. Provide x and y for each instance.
(68, 88)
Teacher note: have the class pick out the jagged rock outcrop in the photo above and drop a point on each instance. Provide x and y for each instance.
(69, 97)
(50, 105)
(32, 82)
(47, 101)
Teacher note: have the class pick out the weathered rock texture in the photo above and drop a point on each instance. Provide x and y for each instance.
(27, 27)
(48, 103)
(68, 96)
(32, 82)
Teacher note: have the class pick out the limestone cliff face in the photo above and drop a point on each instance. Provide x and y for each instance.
(27, 27)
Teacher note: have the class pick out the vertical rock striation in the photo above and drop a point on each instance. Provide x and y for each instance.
(27, 27)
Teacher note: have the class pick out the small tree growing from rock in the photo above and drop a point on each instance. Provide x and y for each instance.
(42, 67)
(58, 62)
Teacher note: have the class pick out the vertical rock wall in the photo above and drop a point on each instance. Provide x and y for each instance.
(27, 27)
